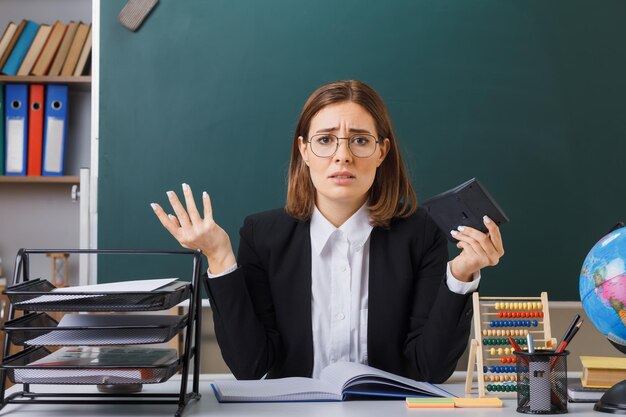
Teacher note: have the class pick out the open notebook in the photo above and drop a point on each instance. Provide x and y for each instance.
(338, 382)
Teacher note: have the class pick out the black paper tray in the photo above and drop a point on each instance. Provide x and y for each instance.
(41, 329)
(26, 296)
(19, 372)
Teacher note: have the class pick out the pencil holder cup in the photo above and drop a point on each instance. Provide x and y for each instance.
(542, 382)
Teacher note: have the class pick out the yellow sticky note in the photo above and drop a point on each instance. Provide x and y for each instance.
(487, 402)
(429, 402)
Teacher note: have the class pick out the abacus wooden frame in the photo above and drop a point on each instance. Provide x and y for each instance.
(476, 345)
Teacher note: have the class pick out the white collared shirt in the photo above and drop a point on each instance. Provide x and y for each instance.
(339, 288)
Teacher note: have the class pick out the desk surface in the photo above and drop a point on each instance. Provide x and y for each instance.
(208, 405)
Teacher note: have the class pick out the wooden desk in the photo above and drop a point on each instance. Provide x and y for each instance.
(208, 405)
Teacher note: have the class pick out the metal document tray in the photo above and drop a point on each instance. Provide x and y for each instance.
(19, 371)
(26, 296)
(41, 329)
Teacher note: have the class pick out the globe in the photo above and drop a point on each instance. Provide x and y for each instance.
(602, 287)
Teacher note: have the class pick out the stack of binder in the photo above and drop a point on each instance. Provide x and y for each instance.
(35, 129)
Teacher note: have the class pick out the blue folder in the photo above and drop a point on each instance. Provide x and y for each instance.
(16, 129)
(55, 128)
(21, 48)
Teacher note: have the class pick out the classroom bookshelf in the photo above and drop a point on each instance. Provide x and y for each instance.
(42, 210)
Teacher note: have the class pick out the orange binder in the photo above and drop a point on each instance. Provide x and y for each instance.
(35, 129)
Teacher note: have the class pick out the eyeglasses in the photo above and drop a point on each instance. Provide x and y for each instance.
(361, 145)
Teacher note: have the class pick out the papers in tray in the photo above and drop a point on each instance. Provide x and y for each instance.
(115, 364)
(337, 382)
(90, 356)
(97, 290)
(109, 329)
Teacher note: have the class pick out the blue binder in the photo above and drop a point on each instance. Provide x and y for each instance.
(21, 48)
(55, 128)
(16, 128)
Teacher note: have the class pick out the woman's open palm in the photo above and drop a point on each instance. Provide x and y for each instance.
(194, 232)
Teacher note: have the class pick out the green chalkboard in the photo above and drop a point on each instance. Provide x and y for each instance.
(526, 95)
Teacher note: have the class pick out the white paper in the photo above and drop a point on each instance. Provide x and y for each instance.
(67, 334)
(124, 286)
(283, 389)
(15, 145)
(334, 380)
(139, 285)
(342, 374)
(103, 320)
(54, 145)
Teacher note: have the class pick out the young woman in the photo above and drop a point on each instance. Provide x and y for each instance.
(350, 269)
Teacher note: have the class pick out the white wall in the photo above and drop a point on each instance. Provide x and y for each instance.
(43, 215)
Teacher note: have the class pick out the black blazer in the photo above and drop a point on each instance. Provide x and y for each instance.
(417, 327)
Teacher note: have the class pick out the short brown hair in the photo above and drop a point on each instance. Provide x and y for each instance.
(391, 194)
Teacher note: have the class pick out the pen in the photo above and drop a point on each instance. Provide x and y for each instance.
(514, 344)
(517, 348)
(572, 334)
(569, 337)
(531, 346)
(567, 333)
(566, 341)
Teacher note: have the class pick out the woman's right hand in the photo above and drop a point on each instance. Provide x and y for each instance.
(194, 232)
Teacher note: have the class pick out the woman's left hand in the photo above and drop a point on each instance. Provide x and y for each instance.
(478, 249)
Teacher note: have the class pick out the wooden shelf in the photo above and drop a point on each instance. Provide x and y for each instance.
(83, 79)
(66, 179)
(82, 83)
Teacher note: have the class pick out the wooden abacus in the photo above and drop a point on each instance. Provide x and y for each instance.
(491, 354)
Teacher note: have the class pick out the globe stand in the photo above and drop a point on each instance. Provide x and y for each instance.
(614, 400)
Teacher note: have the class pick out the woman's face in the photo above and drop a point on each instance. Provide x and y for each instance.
(343, 177)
